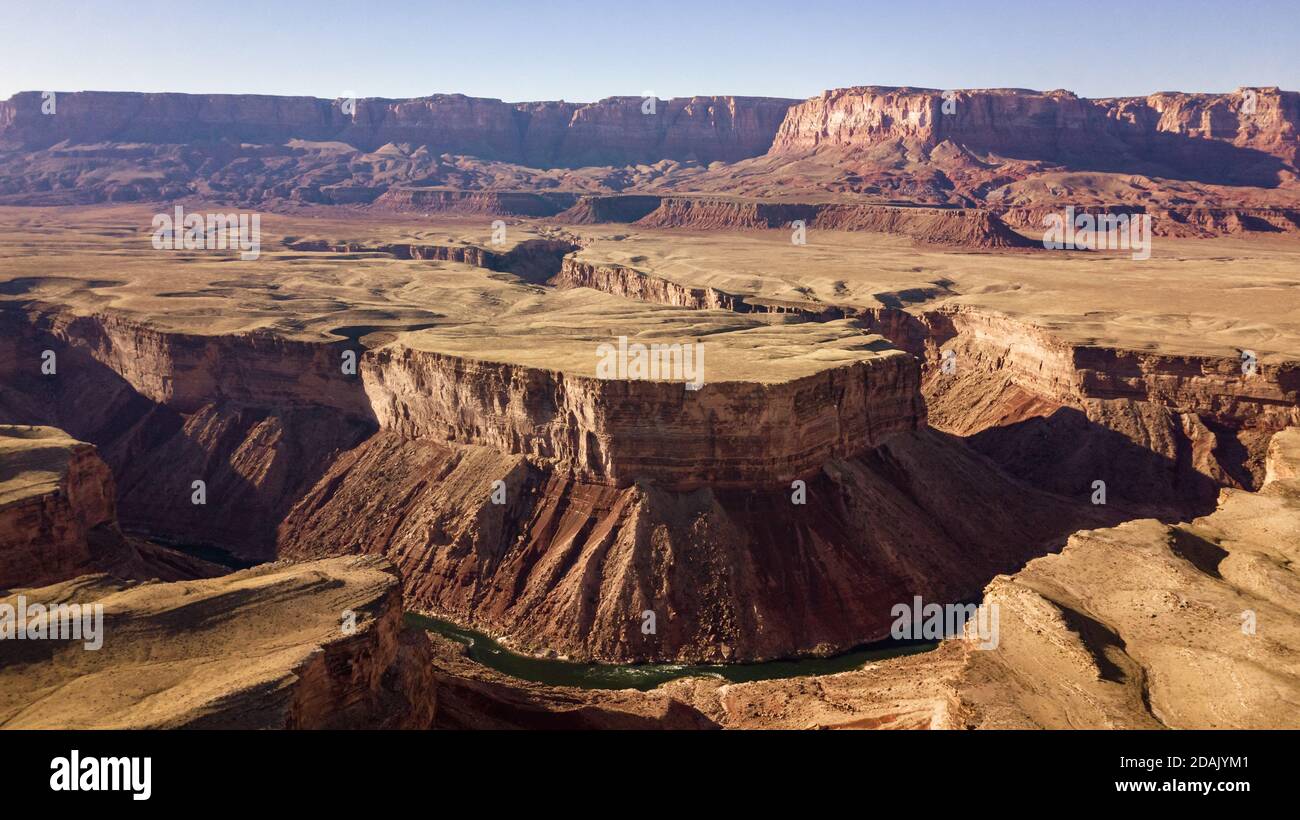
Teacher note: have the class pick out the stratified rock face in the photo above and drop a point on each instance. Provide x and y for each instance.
(940, 226)
(565, 566)
(1158, 429)
(188, 371)
(1139, 626)
(726, 433)
(614, 131)
(1055, 125)
(1184, 222)
(58, 517)
(255, 418)
(315, 645)
(54, 490)
(634, 284)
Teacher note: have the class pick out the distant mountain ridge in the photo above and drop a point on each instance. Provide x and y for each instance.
(1013, 151)
(613, 131)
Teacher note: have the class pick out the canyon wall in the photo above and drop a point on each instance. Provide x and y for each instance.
(613, 131)
(971, 228)
(1162, 431)
(570, 567)
(54, 491)
(1184, 222)
(1179, 129)
(58, 516)
(724, 434)
(256, 418)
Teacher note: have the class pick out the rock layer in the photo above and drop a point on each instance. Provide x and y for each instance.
(54, 491)
(616, 130)
(569, 567)
(724, 434)
(1056, 125)
(58, 516)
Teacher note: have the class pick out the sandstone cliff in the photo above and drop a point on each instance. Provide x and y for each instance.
(565, 566)
(613, 131)
(728, 433)
(1179, 130)
(58, 516)
(966, 228)
(54, 491)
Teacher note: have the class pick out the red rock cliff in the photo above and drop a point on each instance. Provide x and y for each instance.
(613, 131)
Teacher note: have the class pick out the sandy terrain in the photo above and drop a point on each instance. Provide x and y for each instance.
(263, 648)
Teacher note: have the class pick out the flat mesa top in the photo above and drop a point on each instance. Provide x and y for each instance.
(1192, 297)
(32, 460)
(108, 264)
(564, 330)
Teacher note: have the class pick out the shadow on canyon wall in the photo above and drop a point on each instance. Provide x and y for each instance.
(1065, 452)
(256, 461)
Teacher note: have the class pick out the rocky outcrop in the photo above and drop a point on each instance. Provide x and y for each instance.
(315, 645)
(1183, 222)
(58, 516)
(534, 260)
(1244, 140)
(630, 283)
(727, 433)
(254, 418)
(613, 131)
(54, 491)
(1030, 399)
(940, 226)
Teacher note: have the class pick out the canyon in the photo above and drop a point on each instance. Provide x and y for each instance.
(398, 408)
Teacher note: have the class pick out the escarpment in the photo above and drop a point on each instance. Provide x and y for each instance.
(1158, 429)
(970, 228)
(1245, 135)
(534, 260)
(724, 434)
(616, 130)
(1162, 431)
(253, 418)
(1193, 222)
(54, 492)
(503, 203)
(58, 516)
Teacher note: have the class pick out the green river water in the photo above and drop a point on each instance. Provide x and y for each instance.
(483, 649)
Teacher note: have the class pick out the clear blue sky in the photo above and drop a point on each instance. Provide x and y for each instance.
(583, 51)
